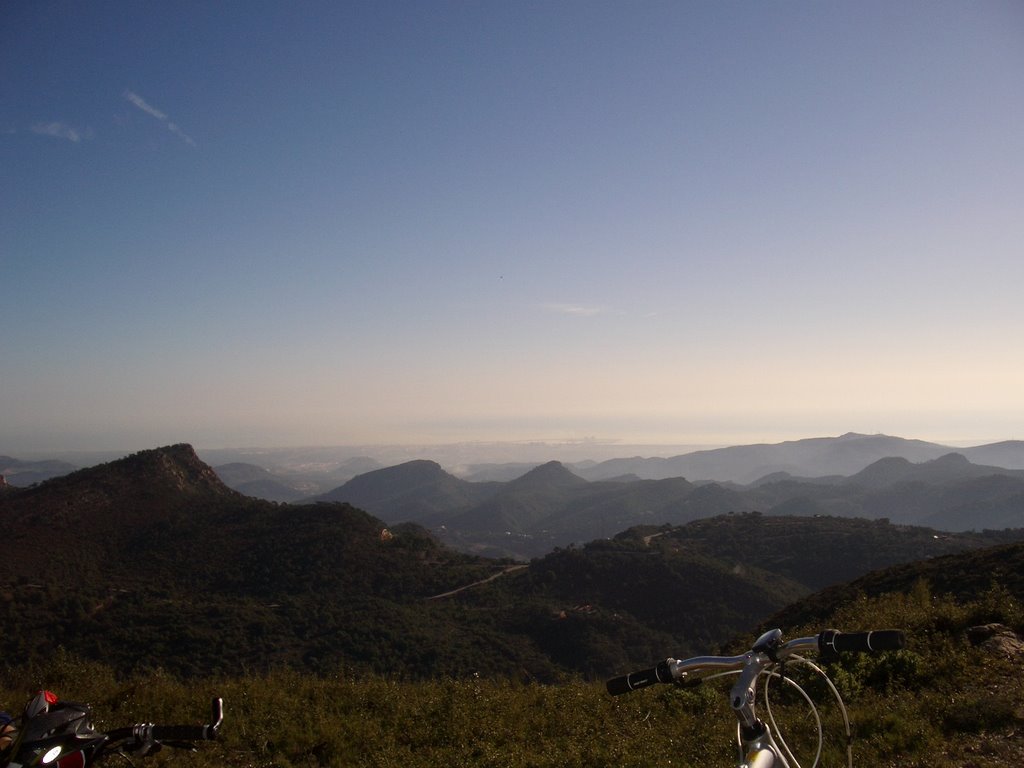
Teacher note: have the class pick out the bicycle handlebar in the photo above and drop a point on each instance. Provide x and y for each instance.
(826, 642)
(147, 734)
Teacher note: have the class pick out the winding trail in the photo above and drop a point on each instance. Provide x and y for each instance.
(492, 577)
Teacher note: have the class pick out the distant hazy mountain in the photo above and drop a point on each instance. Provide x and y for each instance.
(21, 473)
(813, 457)
(288, 475)
(551, 506)
(548, 506)
(992, 502)
(1009, 454)
(519, 505)
(946, 469)
(416, 490)
(256, 481)
(482, 473)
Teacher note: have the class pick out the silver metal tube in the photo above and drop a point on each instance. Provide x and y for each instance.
(761, 758)
(707, 663)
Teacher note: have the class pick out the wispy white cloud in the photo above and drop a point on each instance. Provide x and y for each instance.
(149, 109)
(579, 310)
(57, 130)
(173, 128)
(141, 103)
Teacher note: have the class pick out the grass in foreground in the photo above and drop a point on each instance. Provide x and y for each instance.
(940, 702)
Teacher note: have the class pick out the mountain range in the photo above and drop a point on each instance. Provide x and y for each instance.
(813, 457)
(552, 506)
(310, 471)
(844, 455)
(539, 507)
(151, 561)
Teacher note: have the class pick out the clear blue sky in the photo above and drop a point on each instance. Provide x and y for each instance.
(247, 223)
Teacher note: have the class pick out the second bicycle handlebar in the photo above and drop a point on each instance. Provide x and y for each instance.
(829, 641)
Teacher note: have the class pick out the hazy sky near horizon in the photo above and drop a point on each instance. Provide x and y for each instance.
(266, 223)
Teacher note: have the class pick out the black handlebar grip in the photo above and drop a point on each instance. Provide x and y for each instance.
(193, 732)
(862, 642)
(184, 733)
(657, 674)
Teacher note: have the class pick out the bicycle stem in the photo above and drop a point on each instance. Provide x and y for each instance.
(742, 695)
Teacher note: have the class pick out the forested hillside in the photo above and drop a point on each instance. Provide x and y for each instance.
(151, 561)
(951, 698)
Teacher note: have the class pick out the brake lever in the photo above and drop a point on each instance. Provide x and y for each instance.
(145, 744)
(216, 715)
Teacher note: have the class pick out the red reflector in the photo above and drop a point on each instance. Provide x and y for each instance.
(74, 760)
